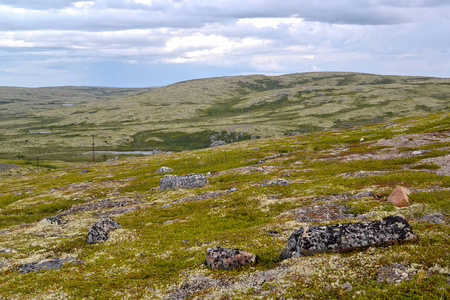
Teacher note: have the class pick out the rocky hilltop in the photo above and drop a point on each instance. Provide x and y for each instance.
(316, 215)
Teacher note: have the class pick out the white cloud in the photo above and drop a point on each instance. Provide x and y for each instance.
(269, 36)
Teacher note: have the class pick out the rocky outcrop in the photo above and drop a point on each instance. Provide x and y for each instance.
(347, 237)
(399, 196)
(227, 259)
(46, 264)
(98, 232)
(164, 170)
(183, 181)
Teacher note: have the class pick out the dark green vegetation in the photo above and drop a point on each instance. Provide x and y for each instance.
(185, 115)
(159, 251)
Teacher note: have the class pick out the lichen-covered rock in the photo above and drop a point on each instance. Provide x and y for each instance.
(164, 170)
(227, 259)
(399, 196)
(46, 264)
(347, 237)
(51, 221)
(183, 181)
(98, 232)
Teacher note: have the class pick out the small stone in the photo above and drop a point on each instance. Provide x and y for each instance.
(84, 171)
(279, 181)
(361, 139)
(399, 196)
(233, 189)
(51, 221)
(418, 152)
(347, 287)
(164, 170)
(432, 218)
(227, 259)
(98, 232)
(8, 250)
(363, 194)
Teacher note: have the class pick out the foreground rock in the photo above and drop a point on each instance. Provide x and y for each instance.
(99, 231)
(347, 237)
(399, 196)
(183, 181)
(227, 259)
(46, 264)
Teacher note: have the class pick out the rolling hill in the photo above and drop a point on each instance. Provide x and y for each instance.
(193, 114)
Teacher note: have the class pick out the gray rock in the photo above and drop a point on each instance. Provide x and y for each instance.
(84, 171)
(46, 264)
(363, 194)
(164, 170)
(279, 181)
(98, 232)
(218, 143)
(432, 218)
(294, 133)
(320, 213)
(183, 181)
(227, 259)
(394, 273)
(347, 237)
(8, 250)
(51, 221)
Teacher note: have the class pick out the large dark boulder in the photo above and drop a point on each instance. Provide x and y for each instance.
(183, 181)
(98, 232)
(227, 259)
(346, 237)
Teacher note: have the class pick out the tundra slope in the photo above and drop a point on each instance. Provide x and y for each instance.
(159, 250)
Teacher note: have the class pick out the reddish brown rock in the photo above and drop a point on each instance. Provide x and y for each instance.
(227, 259)
(399, 196)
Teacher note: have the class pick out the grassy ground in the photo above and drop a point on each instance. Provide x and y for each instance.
(250, 106)
(159, 251)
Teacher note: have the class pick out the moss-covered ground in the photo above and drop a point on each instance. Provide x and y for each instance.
(159, 251)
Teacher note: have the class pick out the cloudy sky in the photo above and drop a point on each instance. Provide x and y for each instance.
(157, 42)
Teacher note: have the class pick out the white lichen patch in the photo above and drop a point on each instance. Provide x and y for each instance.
(121, 235)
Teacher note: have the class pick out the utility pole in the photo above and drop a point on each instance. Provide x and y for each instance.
(93, 149)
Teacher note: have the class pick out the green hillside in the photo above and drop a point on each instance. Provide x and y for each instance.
(193, 114)
(159, 251)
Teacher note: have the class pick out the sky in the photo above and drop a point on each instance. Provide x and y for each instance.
(146, 43)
